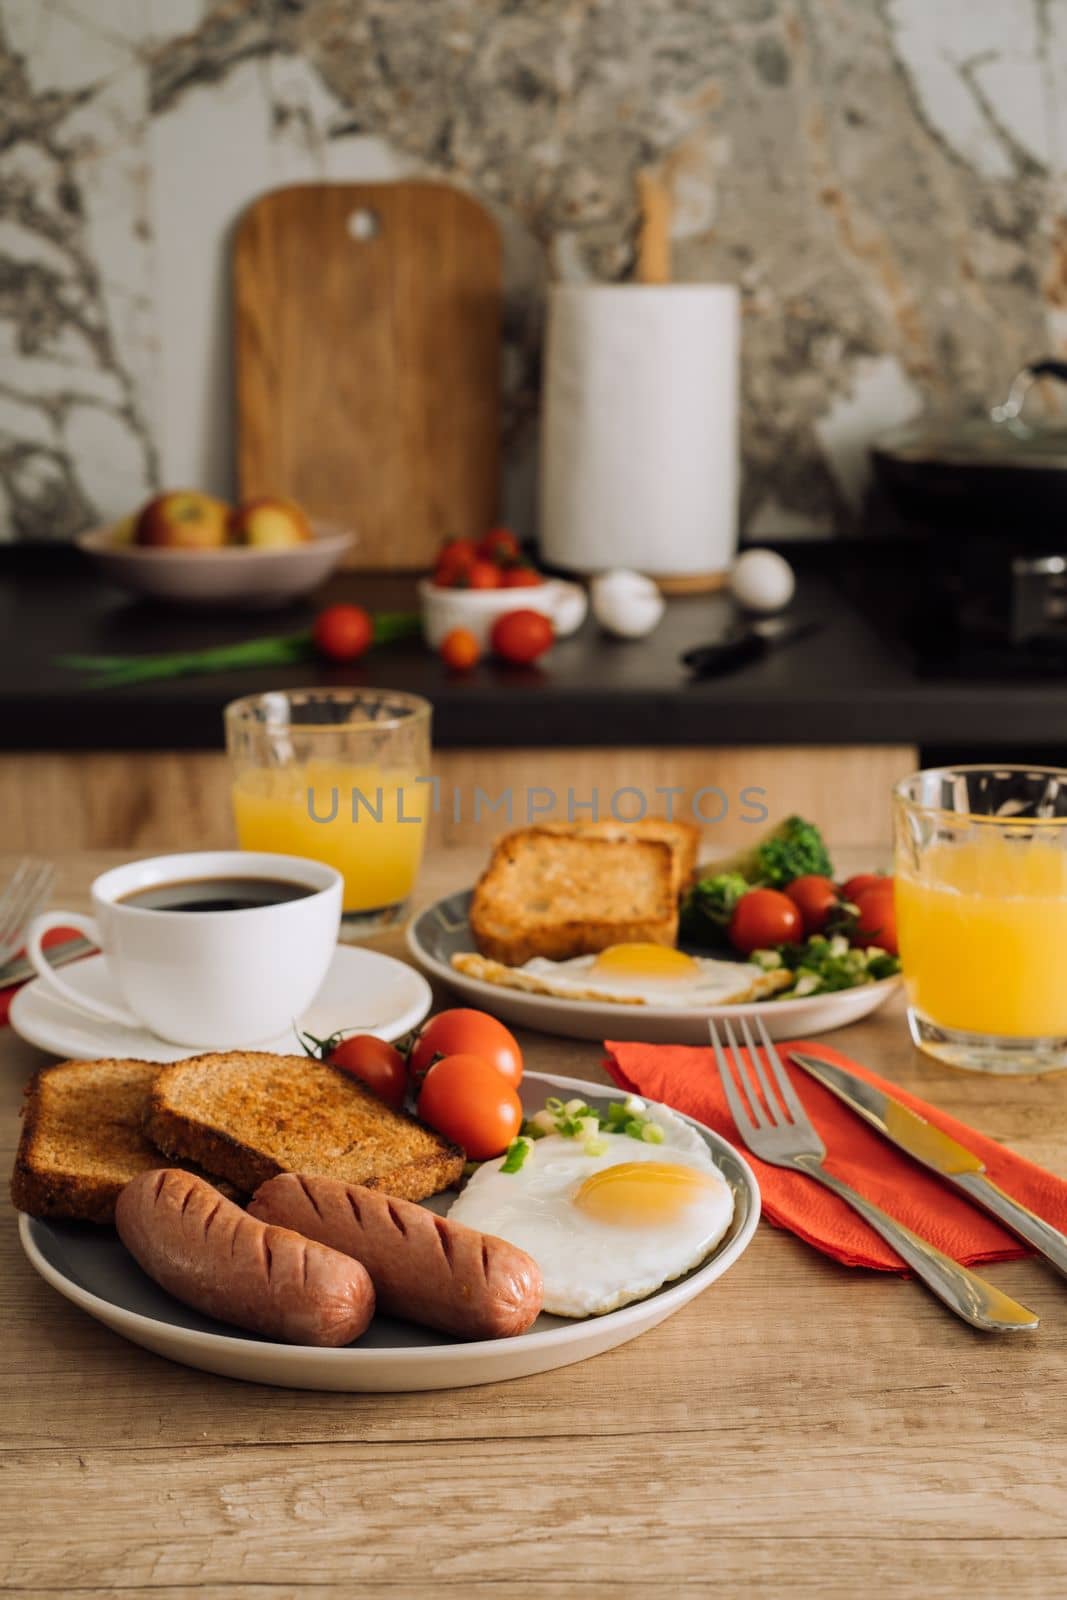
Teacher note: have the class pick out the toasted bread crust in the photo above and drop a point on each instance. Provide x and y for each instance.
(682, 837)
(244, 1142)
(75, 1170)
(561, 894)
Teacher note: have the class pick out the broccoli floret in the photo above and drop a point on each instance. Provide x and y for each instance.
(708, 907)
(791, 850)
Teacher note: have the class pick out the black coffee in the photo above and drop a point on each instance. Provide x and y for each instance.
(216, 894)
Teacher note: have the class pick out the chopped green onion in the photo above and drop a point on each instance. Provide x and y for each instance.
(634, 1105)
(595, 1147)
(652, 1133)
(516, 1154)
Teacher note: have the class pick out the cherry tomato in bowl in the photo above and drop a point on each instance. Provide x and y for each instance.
(764, 917)
(465, 1031)
(815, 897)
(467, 1100)
(378, 1065)
(877, 922)
(521, 578)
(499, 545)
(482, 574)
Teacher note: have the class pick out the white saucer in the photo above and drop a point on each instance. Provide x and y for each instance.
(363, 990)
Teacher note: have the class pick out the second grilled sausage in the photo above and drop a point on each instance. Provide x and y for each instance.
(424, 1268)
(208, 1253)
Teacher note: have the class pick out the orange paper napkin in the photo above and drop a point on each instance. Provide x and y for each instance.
(53, 937)
(685, 1076)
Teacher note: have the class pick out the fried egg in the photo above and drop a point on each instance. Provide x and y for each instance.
(609, 1228)
(633, 974)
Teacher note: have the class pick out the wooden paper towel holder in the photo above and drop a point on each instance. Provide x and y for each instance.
(654, 266)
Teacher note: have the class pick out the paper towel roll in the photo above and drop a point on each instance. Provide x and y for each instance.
(639, 435)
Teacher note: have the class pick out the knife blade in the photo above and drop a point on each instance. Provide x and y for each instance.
(939, 1151)
(19, 968)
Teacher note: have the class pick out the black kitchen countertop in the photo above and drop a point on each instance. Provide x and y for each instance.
(853, 682)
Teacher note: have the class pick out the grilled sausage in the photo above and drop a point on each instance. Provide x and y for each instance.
(424, 1268)
(210, 1254)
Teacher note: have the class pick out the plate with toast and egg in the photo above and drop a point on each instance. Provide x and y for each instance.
(584, 929)
(270, 1218)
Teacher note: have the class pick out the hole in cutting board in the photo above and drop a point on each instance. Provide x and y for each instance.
(363, 224)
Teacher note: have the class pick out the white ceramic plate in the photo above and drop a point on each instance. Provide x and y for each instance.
(362, 989)
(90, 1267)
(443, 930)
(231, 576)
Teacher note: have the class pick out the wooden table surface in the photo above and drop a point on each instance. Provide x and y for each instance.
(799, 1429)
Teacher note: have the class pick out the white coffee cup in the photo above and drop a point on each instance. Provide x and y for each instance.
(217, 979)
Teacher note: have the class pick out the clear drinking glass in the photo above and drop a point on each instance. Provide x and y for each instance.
(981, 900)
(342, 776)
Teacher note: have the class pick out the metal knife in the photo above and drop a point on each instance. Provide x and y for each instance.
(743, 645)
(936, 1150)
(57, 955)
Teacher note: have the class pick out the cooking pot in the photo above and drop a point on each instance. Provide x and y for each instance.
(982, 471)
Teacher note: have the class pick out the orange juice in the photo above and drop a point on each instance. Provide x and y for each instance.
(983, 934)
(368, 822)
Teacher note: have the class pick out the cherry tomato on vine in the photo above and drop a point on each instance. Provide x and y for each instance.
(378, 1065)
(499, 545)
(465, 1031)
(468, 1101)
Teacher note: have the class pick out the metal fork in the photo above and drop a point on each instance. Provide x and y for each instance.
(20, 900)
(780, 1132)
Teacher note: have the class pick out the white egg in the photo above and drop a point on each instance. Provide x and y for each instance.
(626, 604)
(762, 580)
(609, 1228)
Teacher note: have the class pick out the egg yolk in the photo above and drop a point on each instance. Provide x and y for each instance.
(640, 1193)
(645, 960)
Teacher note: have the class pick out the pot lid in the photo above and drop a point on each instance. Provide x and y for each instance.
(1003, 438)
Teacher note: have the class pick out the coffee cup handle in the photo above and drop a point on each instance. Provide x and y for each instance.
(56, 986)
(572, 603)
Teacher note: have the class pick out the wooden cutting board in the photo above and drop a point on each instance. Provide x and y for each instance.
(368, 361)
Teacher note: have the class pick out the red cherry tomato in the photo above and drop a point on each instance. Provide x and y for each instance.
(877, 923)
(460, 650)
(499, 545)
(343, 633)
(453, 561)
(377, 1064)
(467, 1032)
(468, 1101)
(862, 880)
(764, 917)
(481, 575)
(814, 897)
(521, 578)
(522, 636)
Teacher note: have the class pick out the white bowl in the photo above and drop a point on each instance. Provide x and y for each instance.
(565, 604)
(234, 575)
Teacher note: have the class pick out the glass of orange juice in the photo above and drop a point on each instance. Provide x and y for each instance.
(342, 776)
(981, 901)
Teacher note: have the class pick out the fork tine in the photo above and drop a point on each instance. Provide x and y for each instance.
(12, 896)
(750, 1094)
(781, 1077)
(742, 1121)
(774, 1110)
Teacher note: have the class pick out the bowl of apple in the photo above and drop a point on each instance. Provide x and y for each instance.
(189, 548)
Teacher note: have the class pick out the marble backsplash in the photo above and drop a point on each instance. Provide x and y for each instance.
(884, 180)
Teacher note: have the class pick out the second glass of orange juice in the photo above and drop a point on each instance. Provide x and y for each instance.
(981, 901)
(342, 776)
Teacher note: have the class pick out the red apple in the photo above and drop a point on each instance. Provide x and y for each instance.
(269, 523)
(183, 519)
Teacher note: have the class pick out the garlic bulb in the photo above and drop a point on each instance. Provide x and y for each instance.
(626, 603)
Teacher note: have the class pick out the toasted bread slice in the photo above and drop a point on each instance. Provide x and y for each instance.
(683, 838)
(554, 894)
(83, 1139)
(248, 1116)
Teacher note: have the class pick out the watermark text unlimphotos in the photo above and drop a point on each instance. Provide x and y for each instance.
(538, 803)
